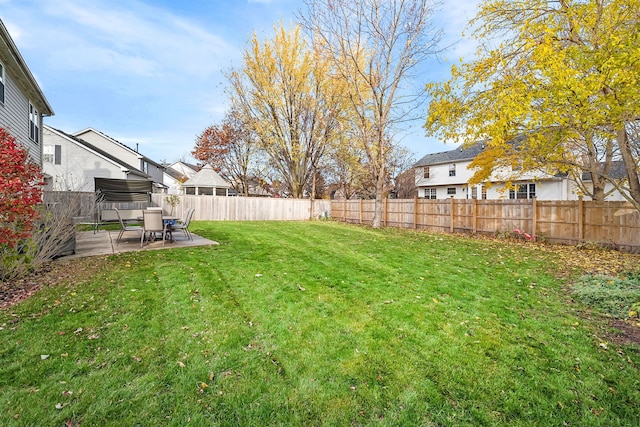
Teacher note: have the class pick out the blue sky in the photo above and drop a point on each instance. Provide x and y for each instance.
(150, 72)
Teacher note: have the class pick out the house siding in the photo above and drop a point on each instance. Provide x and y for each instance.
(14, 117)
(126, 154)
(78, 166)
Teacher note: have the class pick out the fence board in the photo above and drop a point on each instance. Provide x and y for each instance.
(613, 224)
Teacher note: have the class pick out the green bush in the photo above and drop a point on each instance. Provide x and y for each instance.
(612, 295)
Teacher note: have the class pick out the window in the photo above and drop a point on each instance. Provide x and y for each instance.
(452, 170)
(52, 154)
(523, 191)
(451, 191)
(221, 191)
(2, 80)
(144, 166)
(190, 190)
(484, 192)
(429, 193)
(426, 172)
(474, 192)
(48, 154)
(34, 124)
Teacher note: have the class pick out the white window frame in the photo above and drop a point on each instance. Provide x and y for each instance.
(452, 169)
(3, 83)
(426, 173)
(451, 191)
(34, 124)
(48, 154)
(430, 193)
(523, 191)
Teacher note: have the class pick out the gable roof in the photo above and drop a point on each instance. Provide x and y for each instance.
(115, 141)
(206, 177)
(91, 147)
(13, 61)
(459, 154)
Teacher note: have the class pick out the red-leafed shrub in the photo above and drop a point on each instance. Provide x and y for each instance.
(20, 192)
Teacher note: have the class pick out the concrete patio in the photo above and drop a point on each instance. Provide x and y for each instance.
(103, 242)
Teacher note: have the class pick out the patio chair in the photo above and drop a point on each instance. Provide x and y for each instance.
(184, 225)
(152, 223)
(125, 227)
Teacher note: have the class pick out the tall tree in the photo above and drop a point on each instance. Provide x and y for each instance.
(287, 95)
(375, 45)
(231, 149)
(562, 82)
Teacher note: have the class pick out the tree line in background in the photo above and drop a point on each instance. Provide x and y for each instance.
(321, 102)
(553, 87)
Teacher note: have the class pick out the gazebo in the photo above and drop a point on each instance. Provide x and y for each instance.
(206, 182)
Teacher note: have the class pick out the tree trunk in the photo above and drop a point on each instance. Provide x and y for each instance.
(629, 164)
(379, 204)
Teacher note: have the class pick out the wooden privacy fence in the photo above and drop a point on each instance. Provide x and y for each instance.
(614, 224)
(245, 208)
(82, 204)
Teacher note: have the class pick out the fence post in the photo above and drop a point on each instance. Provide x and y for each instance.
(415, 212)
(386, 211)
(344, 209)
(580, 219)
(534, 216)
(474, 225)
(452, 216)
(361, 209)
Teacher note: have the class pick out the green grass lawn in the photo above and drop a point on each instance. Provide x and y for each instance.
(315, 323)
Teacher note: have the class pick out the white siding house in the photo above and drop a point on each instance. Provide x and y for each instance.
(73, 163)
(22, 103)
(125, 154)
(446, 174)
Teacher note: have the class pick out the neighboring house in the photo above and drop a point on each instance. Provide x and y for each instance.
(446, 174)
(73, 163)
(206, 182)
(176, 174)
(22, 103)
(125, 154)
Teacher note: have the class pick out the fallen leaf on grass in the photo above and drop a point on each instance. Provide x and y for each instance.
(182, 365)
(44, 356)
(301, 288)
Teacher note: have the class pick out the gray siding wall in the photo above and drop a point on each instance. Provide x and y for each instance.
(14, 117)
(78, 166)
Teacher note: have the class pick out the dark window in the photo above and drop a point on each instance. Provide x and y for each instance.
(452, 170)
(451, 191)
(474, 192)
(221, 191)
(34, 124)
(484, 192)
(1, 83)
(426, 172)
(190, 190)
